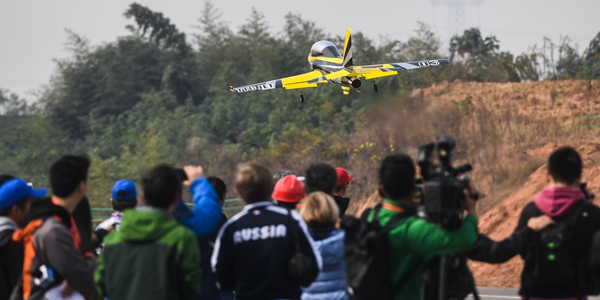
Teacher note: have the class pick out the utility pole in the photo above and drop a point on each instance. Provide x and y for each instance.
(457, 13)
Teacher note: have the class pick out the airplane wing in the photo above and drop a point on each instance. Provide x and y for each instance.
(383, 70)
(306, 80)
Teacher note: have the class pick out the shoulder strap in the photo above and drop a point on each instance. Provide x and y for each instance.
(293, 229)
(574, 214)
(376, 210)
(367, 212)
(406, 276)
(395, 219)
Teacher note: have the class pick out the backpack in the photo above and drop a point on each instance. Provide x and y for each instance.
(366, 253)
(552, 261)
(301, 268)
(594, 263)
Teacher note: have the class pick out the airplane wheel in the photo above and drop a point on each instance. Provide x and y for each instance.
(375, 88)
(301, 98)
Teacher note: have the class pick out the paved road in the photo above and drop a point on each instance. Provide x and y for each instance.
(499, 294)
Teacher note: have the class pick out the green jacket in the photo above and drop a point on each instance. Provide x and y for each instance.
(151, 256)
(413, 238)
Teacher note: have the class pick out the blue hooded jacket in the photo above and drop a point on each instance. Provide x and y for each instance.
(205, 216)
(331, 282)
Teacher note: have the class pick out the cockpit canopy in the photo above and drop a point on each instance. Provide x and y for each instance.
(324, 48)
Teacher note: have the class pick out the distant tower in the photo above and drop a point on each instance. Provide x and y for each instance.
(457, 13)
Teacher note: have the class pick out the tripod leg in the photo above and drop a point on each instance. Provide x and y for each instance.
(473, 286)
(442, 290)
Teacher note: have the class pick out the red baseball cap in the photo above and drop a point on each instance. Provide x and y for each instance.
(343, 177)
(289, 189)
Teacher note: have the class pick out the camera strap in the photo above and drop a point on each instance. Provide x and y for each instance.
(393, 207)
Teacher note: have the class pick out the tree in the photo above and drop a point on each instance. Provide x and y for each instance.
(160, 29)
(180, 75)
(12, 105)
(528, 67)
(96, 83)
(592, 58)
(214, 49)
(425, 45)
(569, 62)
(472, 44)
(481, 59)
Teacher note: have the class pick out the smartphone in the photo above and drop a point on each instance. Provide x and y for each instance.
(181, 174)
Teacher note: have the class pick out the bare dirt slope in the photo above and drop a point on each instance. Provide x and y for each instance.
(521, 123)
(499, 222)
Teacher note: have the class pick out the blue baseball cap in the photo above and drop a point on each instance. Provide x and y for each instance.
(15, 190)
(124, 190)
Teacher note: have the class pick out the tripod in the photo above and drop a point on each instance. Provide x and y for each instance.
(450, 279)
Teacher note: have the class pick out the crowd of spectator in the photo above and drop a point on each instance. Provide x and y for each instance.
(286, 243)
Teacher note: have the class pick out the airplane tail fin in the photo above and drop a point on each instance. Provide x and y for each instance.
(347, 54)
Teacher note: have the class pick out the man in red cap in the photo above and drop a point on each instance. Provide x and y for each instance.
(288, 192)
(343, 181)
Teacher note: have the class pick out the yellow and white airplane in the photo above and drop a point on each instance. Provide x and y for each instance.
(328, 65)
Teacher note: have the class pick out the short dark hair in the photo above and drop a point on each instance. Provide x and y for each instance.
(67, 173)
(5, 177)
(320, 178)
(288, 205)
(253, 183)
(218, 185)
(280, 174)
(397, 176)
(121, 205)
(161, 185)
(21, 204)
(565, 165)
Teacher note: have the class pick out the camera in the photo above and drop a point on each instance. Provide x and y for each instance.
(439, 190)
(442, 198)
(181, 175)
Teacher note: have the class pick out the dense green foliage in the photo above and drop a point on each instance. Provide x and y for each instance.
(157, 96)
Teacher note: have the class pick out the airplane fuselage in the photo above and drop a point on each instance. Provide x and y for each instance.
(326, 57)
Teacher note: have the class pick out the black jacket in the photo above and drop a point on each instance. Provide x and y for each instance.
(206, 244)
(584, 228)
(253, 250)
(11, 258)
(342, 204)
(489, 251)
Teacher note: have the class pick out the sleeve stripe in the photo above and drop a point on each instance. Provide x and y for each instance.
(215, 255)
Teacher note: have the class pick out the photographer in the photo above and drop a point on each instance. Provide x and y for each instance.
(207, 211)
(413, 239)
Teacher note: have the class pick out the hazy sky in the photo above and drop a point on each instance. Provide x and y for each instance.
(32, 32)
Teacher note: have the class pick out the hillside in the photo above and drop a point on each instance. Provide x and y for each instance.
(522, 123)
(499, 222)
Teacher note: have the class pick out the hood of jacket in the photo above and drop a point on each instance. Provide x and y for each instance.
(146, 224)
(557, 201)
(7, 227)
(331, 248)
(43, 208)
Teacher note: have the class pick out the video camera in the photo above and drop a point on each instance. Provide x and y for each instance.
(439, 189)
(442, 202)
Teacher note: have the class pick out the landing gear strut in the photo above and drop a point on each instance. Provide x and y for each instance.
(301, 97)
(375, 86)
